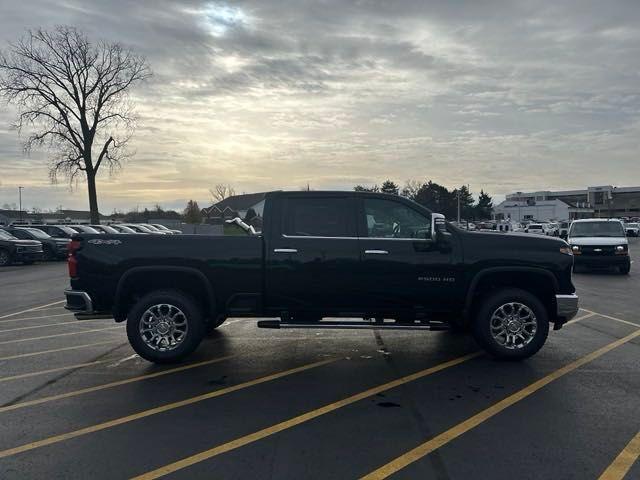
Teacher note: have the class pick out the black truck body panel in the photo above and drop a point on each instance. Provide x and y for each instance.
(283, 272)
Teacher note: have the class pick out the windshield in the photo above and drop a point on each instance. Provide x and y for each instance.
(596, 229)
(37, 233)
(85, 229)
(124, 229)
(6, 235)
(67, 230)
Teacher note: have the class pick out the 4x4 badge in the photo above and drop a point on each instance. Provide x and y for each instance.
(98, 241)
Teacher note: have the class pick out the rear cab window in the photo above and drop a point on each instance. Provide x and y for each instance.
(318, 217)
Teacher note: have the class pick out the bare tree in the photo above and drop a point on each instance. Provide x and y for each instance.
(72, 96)
(222, 191)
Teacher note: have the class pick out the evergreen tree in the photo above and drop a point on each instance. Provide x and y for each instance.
(192, 213)
(388, 186)
(362, 188)
(467, 210)
(484, 206)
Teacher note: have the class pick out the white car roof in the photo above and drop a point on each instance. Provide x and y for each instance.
(590, 220)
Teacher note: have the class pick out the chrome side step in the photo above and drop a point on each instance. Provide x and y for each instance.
(354, 325)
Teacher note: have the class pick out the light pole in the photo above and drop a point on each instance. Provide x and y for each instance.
(20, 201)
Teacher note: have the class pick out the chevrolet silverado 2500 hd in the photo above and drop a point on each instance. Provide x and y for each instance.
(382, 261)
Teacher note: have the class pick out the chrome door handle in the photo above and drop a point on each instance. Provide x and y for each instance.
(376, 252)
(285, 250)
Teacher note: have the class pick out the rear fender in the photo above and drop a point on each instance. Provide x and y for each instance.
(120, 300)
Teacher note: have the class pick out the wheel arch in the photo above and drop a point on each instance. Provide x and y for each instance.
(190, 281)
(538, 281)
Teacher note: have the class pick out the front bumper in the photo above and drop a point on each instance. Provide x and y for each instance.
(28, 256)
(566, 306)
(601, 261)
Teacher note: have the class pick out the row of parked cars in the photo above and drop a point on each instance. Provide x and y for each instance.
(31, 243)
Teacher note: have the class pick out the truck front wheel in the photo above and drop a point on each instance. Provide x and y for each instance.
(165, 326)
(511, 324)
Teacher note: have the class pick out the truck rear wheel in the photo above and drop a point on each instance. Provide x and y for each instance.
(165, 326)
(511, 324)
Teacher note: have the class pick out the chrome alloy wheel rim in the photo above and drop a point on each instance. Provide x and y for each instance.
(163, 327)
(513, 325)
(4, 257)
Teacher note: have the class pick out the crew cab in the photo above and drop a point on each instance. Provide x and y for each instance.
(600, 243)
(373, 260)
(13, 249)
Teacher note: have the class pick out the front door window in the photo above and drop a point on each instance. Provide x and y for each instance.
(389, 219)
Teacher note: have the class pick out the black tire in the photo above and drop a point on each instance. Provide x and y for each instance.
(482, 325)
(625, 269)
(5, 257)
(191, 315)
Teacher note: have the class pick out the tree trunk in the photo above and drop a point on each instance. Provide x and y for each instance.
(93, 198)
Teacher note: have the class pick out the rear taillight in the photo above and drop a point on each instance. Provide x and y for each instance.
(72, 261)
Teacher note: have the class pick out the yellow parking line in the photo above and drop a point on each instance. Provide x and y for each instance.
(117, 383)
(588, 315)
(31, 327)
(52, 370)
(59, 335)
(472, 422)
(160, 409)
(31, 309)
(56, 350)
(627, 322)
(305, 417)
(36, 318)
(624, 461)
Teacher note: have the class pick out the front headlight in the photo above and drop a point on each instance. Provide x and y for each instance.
(621, 250)
(576, 249)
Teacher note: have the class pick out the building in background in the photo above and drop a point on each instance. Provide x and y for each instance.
(540, 210)
(605, 201)
(8, 217)
(236, 206)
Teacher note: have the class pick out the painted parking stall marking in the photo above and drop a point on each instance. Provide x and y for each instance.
(46, 337)
(31, 309)
(624, 461)
(161, 409)
(472, 422)
(117, 383)
(57, 350)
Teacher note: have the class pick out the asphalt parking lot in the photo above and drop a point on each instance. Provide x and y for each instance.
(75, 402)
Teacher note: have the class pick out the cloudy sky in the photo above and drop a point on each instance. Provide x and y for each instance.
(266, 94)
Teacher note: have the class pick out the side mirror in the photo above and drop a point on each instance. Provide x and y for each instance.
(438, 227)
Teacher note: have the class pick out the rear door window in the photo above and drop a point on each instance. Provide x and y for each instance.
(318, 217)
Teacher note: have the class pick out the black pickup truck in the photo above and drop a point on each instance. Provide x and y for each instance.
(382, 261)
